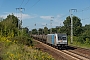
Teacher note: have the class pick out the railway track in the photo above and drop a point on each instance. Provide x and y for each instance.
(66, 53)
(76, 56)
(81, 51)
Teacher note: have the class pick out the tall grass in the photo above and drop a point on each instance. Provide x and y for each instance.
(78, 41)
(10, 50)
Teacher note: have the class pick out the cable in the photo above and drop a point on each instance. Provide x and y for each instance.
(85, 9)
(86, 18)
(26, 2)
(22, 3)
(35, 3)
(64, 15)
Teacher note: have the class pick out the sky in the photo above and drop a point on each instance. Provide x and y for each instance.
(44, 12)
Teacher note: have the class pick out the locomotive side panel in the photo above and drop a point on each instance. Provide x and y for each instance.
(50, 38)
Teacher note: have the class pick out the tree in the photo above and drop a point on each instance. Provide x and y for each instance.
(86, 34)
(62, 29)
(34, 31)
(25, 31)
(54, 30)
(40, 31)
(77, 25)
(58, 29)
(67, 25)
(45, 30)
(9, 25)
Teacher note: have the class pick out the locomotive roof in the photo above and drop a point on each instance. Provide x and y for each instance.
(58, 34)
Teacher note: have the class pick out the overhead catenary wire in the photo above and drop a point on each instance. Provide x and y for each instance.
(86, 18)
(84, 9)
(64, 15)
(67, 14)
(21, 3)
(35, 4)
(26, 2)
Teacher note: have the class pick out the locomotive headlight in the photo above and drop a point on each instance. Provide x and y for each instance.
(58, 42)
(61, 41)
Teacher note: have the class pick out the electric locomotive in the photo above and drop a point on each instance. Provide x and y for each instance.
(59, 40)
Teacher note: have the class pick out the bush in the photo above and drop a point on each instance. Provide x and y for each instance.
(21, 52)
(11, 49)
(87, 41)
(23, 40)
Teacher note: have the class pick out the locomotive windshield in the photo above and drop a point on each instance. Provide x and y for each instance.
(61, 37)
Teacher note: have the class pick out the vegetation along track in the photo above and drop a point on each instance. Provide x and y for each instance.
(67, 54)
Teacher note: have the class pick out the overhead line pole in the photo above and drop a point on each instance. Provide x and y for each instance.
(20, 9)
(18, 20)
(51, 25)
(72, 23)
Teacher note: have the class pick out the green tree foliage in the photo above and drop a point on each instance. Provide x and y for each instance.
(76, 25)
(54, 30)
(9, 25)
(45, 30)
(62, 29)
(40, 30)
(34, 31)
(86, 34)
(58, 29)
(22, 40)
(25, 31)
(67, 24)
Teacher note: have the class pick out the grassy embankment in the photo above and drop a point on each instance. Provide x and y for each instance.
(20, 48)
(79, 42)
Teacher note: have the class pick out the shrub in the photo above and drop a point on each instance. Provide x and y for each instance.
(21, 52)
(14, 50)
(87, 41)
(22, 40)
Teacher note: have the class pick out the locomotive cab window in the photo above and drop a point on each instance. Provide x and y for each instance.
(59, 37)
(63, 38)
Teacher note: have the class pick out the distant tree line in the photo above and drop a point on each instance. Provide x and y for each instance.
(77, 26)
(81, 33)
